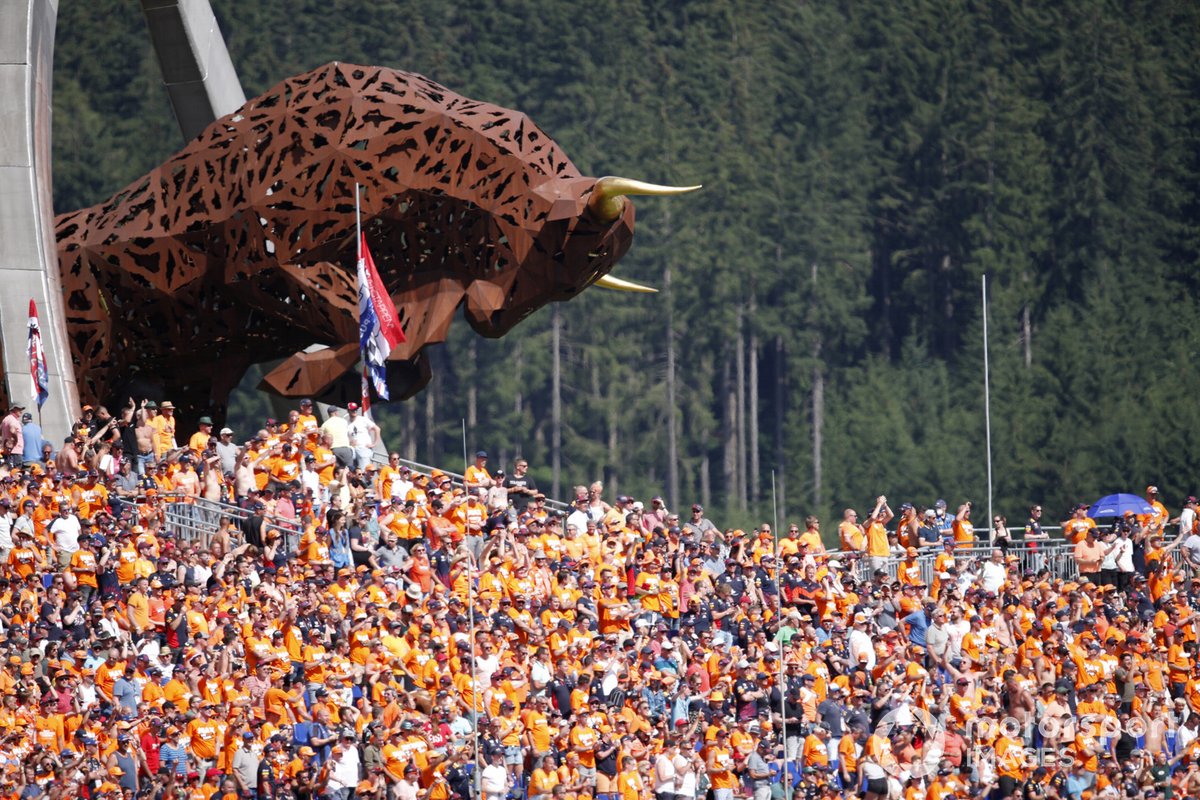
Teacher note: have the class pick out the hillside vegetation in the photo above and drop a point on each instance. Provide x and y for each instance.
(820, 317)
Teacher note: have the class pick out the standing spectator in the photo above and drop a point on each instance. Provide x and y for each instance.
(362, 434)
(877, 546)
(496, 781)
(344, 768)
(477, 475)
(12, 436)
(227, 451)
(1089, 554)
(336, 428)
(31, 432)
(521, 486)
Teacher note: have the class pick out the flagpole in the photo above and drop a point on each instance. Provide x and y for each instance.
(987, 409)
(782, 675)
(357, 223)
(358, 254)
(466, 463)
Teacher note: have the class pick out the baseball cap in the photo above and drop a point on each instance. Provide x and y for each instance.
(352, 406)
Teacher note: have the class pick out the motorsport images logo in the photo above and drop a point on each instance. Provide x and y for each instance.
(927, 734)
(915, 722)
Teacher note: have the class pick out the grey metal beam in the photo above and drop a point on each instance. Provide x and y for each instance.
(28, 258)
(196, 68)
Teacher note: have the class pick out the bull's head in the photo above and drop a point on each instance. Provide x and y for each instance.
(241, 248)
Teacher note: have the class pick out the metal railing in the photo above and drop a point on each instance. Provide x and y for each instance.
(200, 519)
(456, 477)
(1057, 557)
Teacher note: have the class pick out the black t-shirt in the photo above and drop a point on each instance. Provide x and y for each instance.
(765, 583)
(831, 713)
(459, 780)
(720, 605)
(439, 562)
(266, 778)
(252, 530)
(741, 688)
(737, 583)
(560, 690)
(699, 614)
(520, 501)
(358, 537)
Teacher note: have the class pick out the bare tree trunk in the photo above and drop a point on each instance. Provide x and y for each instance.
(780, 450)
(472, 384)
(754, 478)
(705, 480)
(729, 434)
(556, 403)
(519, 399)
(740, 363)
(1027, 336)
(818, 423)
(613, 476)
(818, 408)
(430, 422)
(410, 431)
(672, 440)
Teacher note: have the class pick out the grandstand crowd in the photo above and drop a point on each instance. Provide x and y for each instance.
(365, 631)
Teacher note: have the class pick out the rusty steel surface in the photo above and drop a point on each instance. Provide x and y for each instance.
(241, 248)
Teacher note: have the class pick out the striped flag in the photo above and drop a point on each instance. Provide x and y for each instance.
(39, 375)
(379, 327)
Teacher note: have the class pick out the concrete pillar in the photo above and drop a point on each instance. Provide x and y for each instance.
(196, 67)
(28, 259)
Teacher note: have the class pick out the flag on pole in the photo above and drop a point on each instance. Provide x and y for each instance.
(365, 404)
(39, 375)
(378, 326)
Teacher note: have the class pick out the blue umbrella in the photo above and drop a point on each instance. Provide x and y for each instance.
(1115, 505)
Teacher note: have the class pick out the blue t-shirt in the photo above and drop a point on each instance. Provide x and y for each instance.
(918, 625)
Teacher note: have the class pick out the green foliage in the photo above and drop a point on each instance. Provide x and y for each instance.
(864, 165)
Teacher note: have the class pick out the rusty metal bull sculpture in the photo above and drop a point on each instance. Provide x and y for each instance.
(240, 249)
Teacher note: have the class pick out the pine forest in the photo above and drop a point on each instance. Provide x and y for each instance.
(817, 339)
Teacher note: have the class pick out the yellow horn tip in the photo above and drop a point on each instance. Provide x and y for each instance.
(607, 201)
(618, 285)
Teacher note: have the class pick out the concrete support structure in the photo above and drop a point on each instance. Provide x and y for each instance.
(28, 260)
(196, 67)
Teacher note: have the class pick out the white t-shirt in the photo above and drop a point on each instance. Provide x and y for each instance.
(860, 642)
(664, 774)
(66, 533)
(358, 431)
(495, 779)
(994, 576)
(685, 777)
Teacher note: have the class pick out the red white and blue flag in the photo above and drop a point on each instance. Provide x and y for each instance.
(38, 373)
(379, 327)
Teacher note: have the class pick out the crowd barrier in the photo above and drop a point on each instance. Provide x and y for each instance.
(1057, 557)
(199, 519)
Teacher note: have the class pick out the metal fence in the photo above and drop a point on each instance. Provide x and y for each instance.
(199, 520)
(1057, 557)
(457, 478)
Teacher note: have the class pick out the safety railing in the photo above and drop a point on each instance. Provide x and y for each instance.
(200, 519)
(456, 477)
(1056, 557)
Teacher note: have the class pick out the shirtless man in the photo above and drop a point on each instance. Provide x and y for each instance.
(1019, 702)
(144, 433)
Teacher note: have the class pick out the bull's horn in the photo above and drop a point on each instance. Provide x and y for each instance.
(608, 195)
(616, 284)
